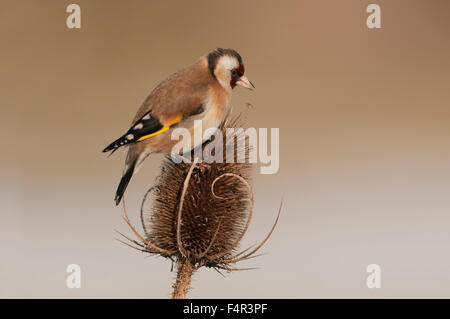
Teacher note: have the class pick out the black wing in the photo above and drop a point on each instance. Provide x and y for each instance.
(146, 127)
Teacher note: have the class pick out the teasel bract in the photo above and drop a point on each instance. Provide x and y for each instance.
(200, 211)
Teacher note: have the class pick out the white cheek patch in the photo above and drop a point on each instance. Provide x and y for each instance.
(224, 66)
(228, 62)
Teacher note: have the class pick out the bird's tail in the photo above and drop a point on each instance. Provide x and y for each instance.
(126, 177)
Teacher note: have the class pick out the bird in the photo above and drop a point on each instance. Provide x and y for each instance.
(201, 91)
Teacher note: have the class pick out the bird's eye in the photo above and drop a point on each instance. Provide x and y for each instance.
(234, 72)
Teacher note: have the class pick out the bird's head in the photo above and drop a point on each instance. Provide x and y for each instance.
(225, 65)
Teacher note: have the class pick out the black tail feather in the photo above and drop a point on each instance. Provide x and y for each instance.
(124, 182)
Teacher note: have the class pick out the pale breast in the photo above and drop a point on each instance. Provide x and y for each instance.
(215, 109)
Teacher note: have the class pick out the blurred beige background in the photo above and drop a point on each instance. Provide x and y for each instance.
(364, 118)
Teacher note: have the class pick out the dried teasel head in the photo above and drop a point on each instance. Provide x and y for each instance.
(200, 211)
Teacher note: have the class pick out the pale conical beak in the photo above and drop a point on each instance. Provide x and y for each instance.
(244, 82)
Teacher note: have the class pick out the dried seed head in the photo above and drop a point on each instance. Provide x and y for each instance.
(215, 207)
(200, 211)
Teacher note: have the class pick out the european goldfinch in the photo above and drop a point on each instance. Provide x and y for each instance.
(201, 91)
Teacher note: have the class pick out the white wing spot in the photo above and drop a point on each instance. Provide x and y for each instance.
(130, 137)
(138, 126)
(147, 117)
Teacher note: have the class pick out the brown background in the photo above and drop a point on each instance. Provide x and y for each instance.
(364, 143)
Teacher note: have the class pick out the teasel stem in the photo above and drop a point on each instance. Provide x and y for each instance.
(184, 275)
(185, 267)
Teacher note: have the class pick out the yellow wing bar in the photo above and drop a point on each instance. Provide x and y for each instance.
(170, 121)
(164, 128)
